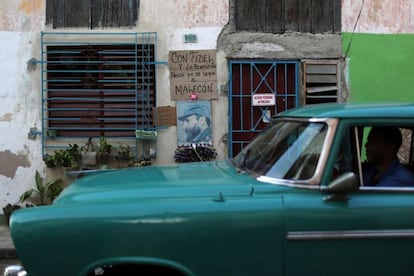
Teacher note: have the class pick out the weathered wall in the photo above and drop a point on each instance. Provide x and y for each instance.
(378, 16)
(381, 52)
(205, 19)
(19, 96)
(21, 22)
(290, 45)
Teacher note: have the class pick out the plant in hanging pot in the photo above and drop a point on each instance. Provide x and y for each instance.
(88, 154)
(104, 150)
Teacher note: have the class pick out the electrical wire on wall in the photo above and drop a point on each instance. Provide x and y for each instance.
(348, 48)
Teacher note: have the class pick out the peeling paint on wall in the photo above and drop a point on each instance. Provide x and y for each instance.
(10, 162)
(6, 117)
(378, 16)
(203, 13)
(22, 15)
(30, 6)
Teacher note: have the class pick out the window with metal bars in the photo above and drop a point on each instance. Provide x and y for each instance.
(96, 90)
(101, 87)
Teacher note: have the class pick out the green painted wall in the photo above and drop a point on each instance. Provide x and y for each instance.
(381, 67)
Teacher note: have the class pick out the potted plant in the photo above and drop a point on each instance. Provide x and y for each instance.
(8, 210)
(104, 150)
(88, 154)
(75, 151)
(124, 155)
(124, 152)
(50, 160)
(46, 191)
(68, 158)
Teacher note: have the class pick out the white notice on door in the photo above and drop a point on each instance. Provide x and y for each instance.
(263, 99)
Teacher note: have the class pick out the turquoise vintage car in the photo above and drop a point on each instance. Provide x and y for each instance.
(293, 202)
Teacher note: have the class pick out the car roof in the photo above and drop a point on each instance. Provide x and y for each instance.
(354, 110)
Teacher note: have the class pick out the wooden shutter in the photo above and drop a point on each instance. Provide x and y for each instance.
(279, 16)
(321, 81)
(91, 13)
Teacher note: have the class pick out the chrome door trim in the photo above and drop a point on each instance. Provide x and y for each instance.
(346, 235)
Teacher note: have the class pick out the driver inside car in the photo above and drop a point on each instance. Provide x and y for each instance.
(384, 168)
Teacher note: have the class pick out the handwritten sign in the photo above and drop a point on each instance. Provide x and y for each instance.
(193, 72)
(263, 99)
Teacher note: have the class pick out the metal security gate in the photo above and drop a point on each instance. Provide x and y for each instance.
(276, 81)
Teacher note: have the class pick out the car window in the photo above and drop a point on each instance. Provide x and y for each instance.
(285, 150)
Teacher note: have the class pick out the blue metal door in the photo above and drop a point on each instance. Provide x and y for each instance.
(278, 79)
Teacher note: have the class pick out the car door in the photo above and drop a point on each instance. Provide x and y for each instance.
(369, 233)
(366, 232)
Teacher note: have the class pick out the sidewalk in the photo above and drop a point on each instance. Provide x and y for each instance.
(6, 245)
(7, 253)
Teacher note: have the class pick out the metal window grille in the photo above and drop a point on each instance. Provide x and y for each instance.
(97, 84)
(250, 77)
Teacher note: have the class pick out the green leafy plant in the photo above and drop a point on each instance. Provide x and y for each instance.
(104, 149)
(50, 160)
(104, 146)
(75, 151)
(46, 191)
(124, 152)
(64, 158)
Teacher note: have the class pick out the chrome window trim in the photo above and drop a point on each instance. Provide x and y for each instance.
(393, 190)
(352, 234)
(358, 149)
(287, 183)
(313, 182)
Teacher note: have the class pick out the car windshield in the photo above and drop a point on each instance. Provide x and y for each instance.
(286, 150)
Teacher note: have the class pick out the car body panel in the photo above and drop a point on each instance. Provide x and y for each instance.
(220, 218)
(350, 235)
(208, 221)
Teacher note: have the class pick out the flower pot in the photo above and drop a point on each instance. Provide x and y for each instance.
(104, 158)
(89, 158)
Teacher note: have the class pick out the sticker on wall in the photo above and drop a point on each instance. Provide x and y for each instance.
(194, 122)
(266, 116)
